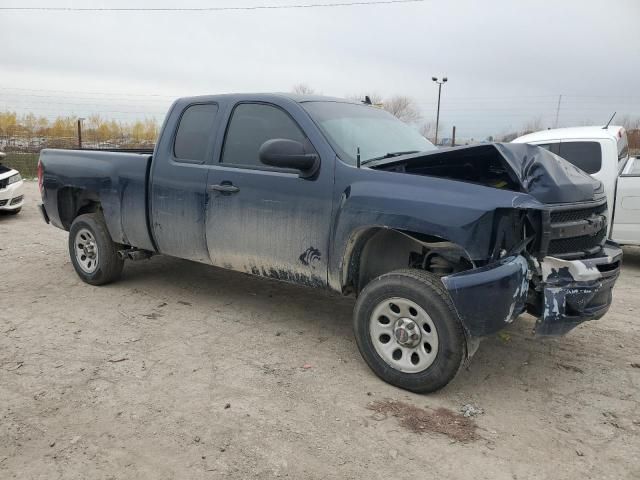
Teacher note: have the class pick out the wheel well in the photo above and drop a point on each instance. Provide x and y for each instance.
(382, 250)
(73, 202)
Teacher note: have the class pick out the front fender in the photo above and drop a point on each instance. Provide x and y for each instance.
(457, 212)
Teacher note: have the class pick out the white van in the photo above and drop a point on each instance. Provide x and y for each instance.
(604, 154)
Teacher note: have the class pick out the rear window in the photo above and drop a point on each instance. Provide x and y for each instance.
(586, 156)
(552, 147)
(194, 132)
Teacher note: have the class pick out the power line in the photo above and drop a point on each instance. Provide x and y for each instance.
(37, 102)
(80, 92)
(536, 99)
(210, 9)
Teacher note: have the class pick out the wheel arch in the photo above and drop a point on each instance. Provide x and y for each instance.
(377, 250)
(74, 201)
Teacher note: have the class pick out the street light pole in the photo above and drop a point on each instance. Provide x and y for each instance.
(435, 79)
(80, 133)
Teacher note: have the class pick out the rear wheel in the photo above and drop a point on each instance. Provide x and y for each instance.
(93, 253)
(408, 331)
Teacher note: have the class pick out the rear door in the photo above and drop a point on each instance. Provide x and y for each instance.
(179, 181)
(264, 220)
(626, 217)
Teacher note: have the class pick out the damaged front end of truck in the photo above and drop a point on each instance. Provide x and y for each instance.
(548, 256)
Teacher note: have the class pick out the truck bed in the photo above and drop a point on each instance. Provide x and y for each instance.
(117, 180)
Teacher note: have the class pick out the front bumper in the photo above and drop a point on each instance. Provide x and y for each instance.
(12, 197)
(489, 298)
(578, 290)
(561, 293)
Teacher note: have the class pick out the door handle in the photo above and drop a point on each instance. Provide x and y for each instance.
(224, 188)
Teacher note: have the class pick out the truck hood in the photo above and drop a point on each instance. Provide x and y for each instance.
(518, 167)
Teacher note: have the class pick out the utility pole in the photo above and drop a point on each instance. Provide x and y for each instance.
(558, 111)
(80, 133)
(435, 79)
(453, 137)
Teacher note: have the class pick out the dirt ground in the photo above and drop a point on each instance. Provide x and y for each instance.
(185, 371)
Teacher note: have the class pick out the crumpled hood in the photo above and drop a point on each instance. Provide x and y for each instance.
(512, 166)
(546, 176)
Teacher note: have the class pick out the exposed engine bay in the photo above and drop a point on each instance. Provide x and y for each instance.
(565, 232)
(483, 166)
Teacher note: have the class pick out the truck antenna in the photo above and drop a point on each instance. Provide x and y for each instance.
(610, 120)
(358, 157)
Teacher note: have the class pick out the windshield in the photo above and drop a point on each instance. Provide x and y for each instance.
(377, 134)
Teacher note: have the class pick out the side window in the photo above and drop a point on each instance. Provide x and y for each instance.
(194, 132)
(552, 147)
(586, 156)
(250, 126)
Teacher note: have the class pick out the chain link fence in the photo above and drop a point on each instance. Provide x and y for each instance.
(23, 151)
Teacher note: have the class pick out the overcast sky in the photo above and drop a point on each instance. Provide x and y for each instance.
(506, 61)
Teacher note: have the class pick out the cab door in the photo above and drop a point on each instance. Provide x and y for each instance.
(265, 220)
(178, 181)
(626, 215)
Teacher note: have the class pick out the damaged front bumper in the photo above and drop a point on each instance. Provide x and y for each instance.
(561, 293)
(488, 298)
(577, 290)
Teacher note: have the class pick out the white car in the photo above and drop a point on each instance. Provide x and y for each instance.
(602, 152)
(11, 189)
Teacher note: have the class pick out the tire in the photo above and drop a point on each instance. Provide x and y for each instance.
(430, 356)
(89, 231)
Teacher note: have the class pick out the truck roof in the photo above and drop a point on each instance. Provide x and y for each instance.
(613, 132)
(268, 96)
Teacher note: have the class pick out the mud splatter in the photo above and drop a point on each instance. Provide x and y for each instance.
(420, 420)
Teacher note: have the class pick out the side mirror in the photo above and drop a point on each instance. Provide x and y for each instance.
(283, 153)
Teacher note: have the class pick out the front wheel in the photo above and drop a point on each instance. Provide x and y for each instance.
(408, 331)
(93, 253)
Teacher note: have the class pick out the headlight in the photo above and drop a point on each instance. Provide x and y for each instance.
(14, 178)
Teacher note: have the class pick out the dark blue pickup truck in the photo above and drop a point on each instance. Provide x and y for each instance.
(440, 247)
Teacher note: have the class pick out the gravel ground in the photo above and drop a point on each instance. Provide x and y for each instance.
(182, 370)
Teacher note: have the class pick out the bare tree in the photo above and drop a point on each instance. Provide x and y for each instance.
(403, 108)
(427, 130)
(628, 122)
(531, 126)
(506, 137)
(303, 89)
(376, 98)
